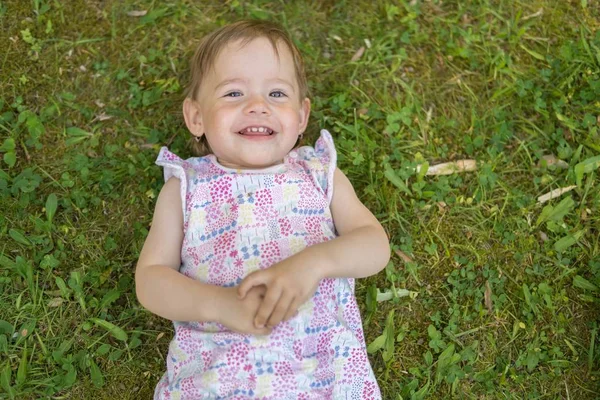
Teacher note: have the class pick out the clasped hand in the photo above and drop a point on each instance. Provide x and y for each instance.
(289, 284)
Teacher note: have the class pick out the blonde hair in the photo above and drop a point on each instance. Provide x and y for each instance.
(211, 45)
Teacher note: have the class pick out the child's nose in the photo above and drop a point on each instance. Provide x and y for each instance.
(257, 105)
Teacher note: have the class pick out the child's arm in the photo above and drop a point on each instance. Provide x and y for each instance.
(159, 286)
(361, 249)
(163, 290)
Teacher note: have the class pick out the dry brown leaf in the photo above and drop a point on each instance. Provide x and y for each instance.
(551, 159)
(358, 54)
(403, 256)
(159, 336)
(103, 117)
(585, 213)
(488, 296)
(139, 13)
(534, 15)
(452, 167)
(442, 206)
(55, 302)
(554, 194)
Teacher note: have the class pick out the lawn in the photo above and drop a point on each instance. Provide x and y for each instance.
(490, 294)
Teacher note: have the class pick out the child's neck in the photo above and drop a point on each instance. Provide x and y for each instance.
(229, 165)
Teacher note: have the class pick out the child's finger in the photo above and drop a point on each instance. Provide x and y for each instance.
(293, 309)
(254, 279)
(280, 309)
(264, 331)
(266, 308)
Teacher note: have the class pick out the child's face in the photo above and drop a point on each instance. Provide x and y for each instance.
(249, 106)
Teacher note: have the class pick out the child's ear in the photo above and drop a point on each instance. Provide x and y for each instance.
(193, 117)
(304, 114)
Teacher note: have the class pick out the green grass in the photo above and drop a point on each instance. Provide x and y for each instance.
(505, 294)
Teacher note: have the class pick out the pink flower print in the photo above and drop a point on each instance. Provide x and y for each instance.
(308, 198)
(270, 254)
(221, 217)
(368, 390)
(279, 178)
(298, 349)
(264, 210)
(207, 357)
(252, 378)
(238, 262)
(237, 355)
(285, 227)
(189, 388)
(315, 232)
(224, 244)
(220, 190)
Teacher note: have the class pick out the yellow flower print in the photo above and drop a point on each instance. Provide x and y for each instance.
(245, 214)
(210, 378)
(309, 366)
(197, 217)
(264, 386)
(252, 264)
(290, 193)
(315, 165)
(296, 244)
(202, 273)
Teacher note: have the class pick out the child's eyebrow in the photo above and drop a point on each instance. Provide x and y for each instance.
(229, 81)
(239, 80)
(283, 81)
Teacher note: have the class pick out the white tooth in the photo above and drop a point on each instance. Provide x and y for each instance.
(248, 129)
(254, 130)
(261, 129)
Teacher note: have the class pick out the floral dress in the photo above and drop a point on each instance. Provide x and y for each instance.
(236, 222)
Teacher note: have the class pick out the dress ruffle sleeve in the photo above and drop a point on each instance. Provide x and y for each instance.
(321, 161)
(173, 166)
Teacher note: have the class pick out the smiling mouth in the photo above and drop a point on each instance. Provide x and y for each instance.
(257, 131)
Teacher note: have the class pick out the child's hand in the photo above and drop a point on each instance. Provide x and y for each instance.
(238, 314)
(289, 283)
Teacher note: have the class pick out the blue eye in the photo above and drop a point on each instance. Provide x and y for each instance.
(233, 94)
(277, 94)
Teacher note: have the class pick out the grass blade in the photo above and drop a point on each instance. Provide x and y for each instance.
(96, 374)
(582, 283)
(22, 371)
(51, 205)
(390, 174)
(114, 330)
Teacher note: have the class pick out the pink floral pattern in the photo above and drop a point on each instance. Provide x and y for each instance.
(236, 222)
